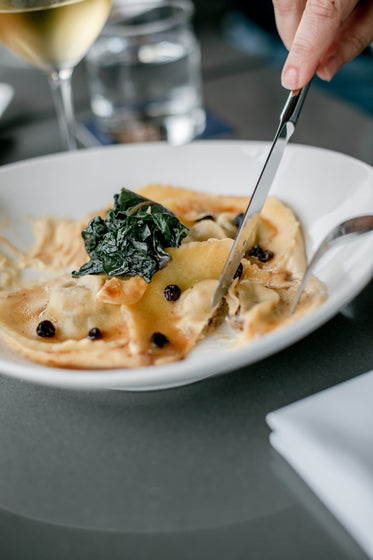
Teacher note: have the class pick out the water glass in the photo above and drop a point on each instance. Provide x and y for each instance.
(144, 73)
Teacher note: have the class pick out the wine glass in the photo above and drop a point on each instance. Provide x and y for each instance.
(54, 35)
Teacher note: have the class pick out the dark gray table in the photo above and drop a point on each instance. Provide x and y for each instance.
(189, 472)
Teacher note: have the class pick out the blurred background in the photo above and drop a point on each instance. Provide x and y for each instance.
(241, 62)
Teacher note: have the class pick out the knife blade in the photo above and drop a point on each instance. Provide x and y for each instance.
(246, 233)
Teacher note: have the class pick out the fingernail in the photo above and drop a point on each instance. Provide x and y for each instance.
(290, 78)
(331, 67)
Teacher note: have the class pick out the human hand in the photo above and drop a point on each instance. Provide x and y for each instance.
(321, 36)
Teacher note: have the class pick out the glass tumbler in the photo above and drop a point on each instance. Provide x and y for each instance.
(144, 73)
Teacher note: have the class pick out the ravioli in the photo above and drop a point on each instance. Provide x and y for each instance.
(119, 322)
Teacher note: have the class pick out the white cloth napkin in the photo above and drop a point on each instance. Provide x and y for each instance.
(328, 440)
(6, 94)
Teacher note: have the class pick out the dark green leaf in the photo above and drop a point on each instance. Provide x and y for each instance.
(132, 239)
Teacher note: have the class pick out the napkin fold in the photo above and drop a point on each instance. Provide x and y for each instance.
(328, 439)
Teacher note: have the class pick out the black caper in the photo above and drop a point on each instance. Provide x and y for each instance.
(266, 256)
(172, 292)
(239, 271)
(238, 219)
(206, 217)
(46, 329)
(262, 255)
(158, 339)
(94, 333)
(255, 251)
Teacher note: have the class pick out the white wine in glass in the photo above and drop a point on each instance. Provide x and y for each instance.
(54, 35)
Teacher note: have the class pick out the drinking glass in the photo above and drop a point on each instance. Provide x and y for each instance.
(144, 73)
(54, 35)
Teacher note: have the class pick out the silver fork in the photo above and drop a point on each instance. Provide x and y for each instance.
(349, 228)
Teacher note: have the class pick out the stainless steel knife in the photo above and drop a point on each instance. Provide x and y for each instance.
(246, 233)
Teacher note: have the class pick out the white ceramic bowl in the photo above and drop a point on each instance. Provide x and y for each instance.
(322, 187)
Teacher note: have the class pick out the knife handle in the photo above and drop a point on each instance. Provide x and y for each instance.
(293, 106)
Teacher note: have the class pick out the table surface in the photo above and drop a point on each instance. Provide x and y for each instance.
(187, 472)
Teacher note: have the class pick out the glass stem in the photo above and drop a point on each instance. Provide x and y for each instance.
(60, 82)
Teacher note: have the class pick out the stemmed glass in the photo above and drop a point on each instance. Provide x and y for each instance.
(54, 35)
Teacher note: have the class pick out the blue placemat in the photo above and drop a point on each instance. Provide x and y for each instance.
(91, 133)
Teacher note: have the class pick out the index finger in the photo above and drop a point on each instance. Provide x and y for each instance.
(288, 14)
(318, 27)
